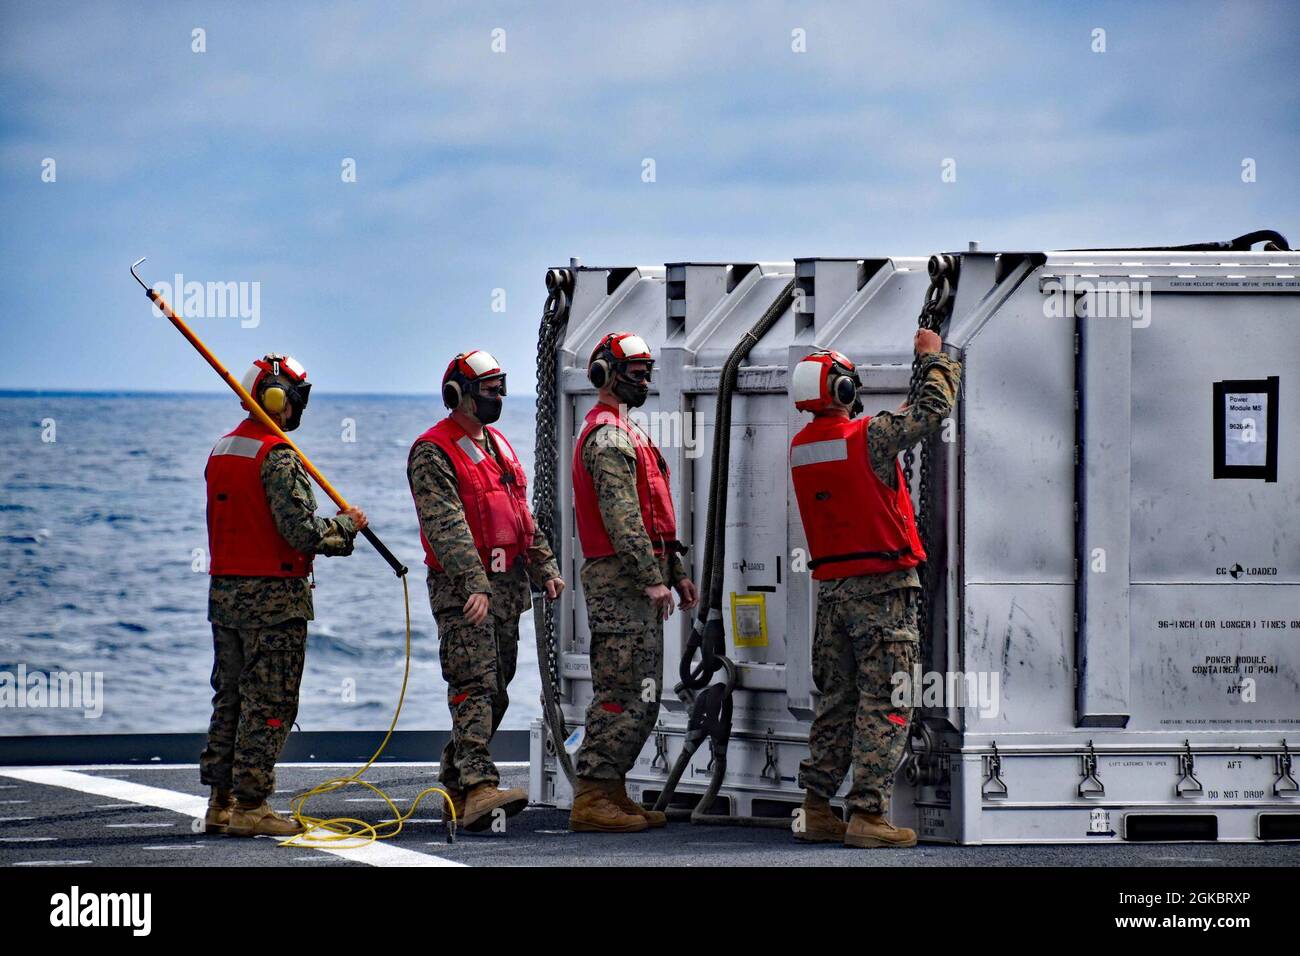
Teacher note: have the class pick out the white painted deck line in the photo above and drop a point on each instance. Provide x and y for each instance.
(374, 854)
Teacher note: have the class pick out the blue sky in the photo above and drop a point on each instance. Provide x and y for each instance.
(476, 170)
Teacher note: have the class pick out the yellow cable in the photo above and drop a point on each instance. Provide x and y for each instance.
(339, 829)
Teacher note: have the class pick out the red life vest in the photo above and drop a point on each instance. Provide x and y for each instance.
(242, 536)
(651, 488)
(854, 522)
(495, 495)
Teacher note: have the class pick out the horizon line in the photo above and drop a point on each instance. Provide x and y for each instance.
(188, 393)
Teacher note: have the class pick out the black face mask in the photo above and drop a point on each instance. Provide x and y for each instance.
(298, 396)
(487, 408)
(631, 393)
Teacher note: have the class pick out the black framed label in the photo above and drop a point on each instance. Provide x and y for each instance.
(1245, 428)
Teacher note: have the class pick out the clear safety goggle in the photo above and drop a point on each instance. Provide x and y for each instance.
(493, 386)
(639, 375)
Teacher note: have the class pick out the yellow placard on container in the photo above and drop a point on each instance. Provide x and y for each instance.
(749, 620)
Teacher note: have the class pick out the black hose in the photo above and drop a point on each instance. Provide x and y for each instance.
(707, 633)
(1240, 244)
(722, 437)
(1270, 237)
(701, 639)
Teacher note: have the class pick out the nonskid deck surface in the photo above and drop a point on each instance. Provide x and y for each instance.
(145, 816)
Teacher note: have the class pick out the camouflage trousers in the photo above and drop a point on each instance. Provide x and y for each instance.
(256, 673)
(478, 663)
(858, 646)
(627, 665)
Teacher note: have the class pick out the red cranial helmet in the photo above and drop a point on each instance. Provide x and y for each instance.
(466, 372)
(610, 357)
(275, 381)
(824, 381)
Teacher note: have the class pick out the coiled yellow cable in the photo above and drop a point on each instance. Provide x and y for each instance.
(340, 829)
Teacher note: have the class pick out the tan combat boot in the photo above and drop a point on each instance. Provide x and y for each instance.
(821, 824)
(873, 830)
(618, 794)
(481, 799)
(458, 802)
(218, 816)
(594, 810)
(260, 820)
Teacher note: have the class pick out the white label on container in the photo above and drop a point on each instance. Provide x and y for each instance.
(1245, 417)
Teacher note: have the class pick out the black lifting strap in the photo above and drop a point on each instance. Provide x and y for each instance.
(671, 546)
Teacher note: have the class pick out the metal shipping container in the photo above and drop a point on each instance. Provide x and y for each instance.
(1113, 532)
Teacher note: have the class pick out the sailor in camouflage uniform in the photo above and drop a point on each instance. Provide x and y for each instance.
(627, 529)
(858, 518)
(262, 535)
(482, 549)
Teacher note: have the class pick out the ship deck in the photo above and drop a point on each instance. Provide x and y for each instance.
(124, 815)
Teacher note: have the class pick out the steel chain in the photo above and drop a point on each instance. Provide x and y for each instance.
(546, 452)
(935, 310)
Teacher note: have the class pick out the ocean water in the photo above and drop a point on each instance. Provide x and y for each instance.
(98, 530)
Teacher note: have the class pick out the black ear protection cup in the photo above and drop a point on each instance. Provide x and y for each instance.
(844, 390)
(274, 398)
(451, 395)
(598, 373)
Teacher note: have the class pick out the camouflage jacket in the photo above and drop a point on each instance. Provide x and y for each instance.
(442, 520)
(888, 435)
(243, 602)
(610, 458)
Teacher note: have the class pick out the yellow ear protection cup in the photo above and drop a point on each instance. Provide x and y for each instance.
(274, 398)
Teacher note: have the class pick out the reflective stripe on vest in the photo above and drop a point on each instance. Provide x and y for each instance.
(652, 488)
(242, 537)
(833, 449)
(237, 445)
(471, 449)
(855, 523)
(494, 495)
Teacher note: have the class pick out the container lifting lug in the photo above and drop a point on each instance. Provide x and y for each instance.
(560, 280)
(993, 788)
(660, 761)
(769, 752)
(1188, 785)
(1285, 785)
(1091, 785)
(922, 766)
(912, 752)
